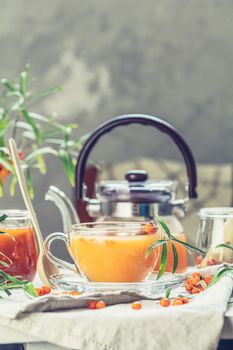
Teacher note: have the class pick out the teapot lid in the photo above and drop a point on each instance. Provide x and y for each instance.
(137, 189)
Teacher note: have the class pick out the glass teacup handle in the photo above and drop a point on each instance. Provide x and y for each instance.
(60, 263)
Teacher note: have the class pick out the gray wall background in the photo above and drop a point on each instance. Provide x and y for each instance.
(171, 58)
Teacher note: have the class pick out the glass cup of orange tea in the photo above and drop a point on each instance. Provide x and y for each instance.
(18, 249)
(108, 251)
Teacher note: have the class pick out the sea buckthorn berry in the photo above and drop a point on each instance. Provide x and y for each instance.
(165, 302)
(39, 292)
(177, 302)
(91, 304)
(74, 293)
(46, 289)
(195, 280)
(188, 287)
(207, 279)
(178, 298)
(195, 291)
(211, 262)
(190, 281)
(136, 305)
(185, 300)
(100, 304)
(196, 274)
(198, 260)
(150, 228)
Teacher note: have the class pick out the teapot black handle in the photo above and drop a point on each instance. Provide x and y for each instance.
(143, 120)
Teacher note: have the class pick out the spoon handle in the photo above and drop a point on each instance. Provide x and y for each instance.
(24, 191)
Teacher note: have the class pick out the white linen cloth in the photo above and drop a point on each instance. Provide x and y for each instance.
(197, 324)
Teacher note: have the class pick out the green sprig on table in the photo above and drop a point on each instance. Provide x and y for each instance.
(223, 245)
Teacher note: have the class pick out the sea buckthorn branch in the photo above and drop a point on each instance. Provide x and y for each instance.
(169, 238)
(37, 135)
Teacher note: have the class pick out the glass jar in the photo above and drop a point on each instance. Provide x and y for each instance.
(215, 227)
(18, 248)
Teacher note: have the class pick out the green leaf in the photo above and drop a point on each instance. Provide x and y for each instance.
(16, 105)
(6, 163)
(175, 257)
(168, 292)
(30, 289)
(41, 118)
(12, 185)
(164, 226)
(51, 133)
(5, 124)
(220, 274)
(23, 125)
(224, 246)
(45, 92)
(188, 245)
(55, 141)
(29, 135)
(31, 122)
(163, 261)
(40, 159)
(8, 85)
(9, 282)
(28, 179)
(24, 80)
(68, 165)
(155, 245)
(3, 217)
(1, 187)
(6, 290)
(39, 152)
(5, 150)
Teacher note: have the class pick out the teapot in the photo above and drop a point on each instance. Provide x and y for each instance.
(136, 197)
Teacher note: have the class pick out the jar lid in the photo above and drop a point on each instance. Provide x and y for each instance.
(216, 212)
(137, 189)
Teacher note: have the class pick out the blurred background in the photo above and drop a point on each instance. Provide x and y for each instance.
(169, 58)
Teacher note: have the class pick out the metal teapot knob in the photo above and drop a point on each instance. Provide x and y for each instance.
(136, 176)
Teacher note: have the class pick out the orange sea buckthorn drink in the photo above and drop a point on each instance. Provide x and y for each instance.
(114, 252)
(18, 249)
(110, 252)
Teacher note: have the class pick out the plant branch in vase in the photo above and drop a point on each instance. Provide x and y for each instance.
(37, 135)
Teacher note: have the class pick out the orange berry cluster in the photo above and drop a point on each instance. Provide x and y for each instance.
(93, 304)
(42, 290)
(193, 283)
(165, 302)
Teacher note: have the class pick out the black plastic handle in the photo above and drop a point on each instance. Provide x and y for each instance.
(143, 120)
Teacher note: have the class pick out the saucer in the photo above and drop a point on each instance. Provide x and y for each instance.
(70, 281)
